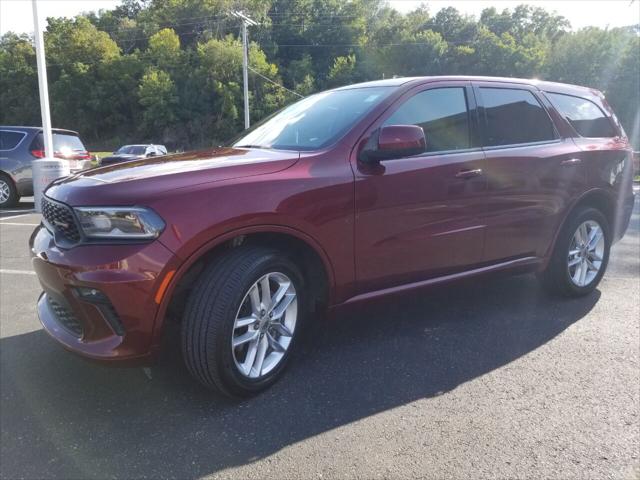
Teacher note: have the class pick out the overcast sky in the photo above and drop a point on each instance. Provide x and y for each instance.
(16, 15)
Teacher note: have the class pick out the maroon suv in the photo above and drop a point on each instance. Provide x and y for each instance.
(346, 196)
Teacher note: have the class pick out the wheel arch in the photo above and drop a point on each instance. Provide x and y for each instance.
(314, 263)
(596, 198)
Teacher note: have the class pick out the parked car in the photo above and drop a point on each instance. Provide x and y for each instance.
(19, 146)
(134, 152)
(347, 196)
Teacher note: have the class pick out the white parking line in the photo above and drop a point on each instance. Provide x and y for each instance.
(17, 272)
(25, 224)
(14, 216)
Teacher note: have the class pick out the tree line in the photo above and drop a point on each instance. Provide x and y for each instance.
(170, 71)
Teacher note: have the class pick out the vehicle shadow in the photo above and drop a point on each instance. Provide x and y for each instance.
(63, 417)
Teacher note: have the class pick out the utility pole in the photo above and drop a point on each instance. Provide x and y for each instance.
(246, 21)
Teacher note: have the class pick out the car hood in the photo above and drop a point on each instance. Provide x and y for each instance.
(134, 182)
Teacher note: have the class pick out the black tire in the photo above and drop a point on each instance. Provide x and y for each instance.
(556, 279)
(13, 198)
(211, 309)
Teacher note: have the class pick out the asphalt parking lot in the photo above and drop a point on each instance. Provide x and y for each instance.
(489, 378)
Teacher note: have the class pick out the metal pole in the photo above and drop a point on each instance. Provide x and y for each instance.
(42, 83)
(245, 73)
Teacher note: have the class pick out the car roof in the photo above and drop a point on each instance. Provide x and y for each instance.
(36, 129)
(541, 84)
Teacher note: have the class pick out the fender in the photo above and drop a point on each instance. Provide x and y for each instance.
(216, 241)
(570, 208)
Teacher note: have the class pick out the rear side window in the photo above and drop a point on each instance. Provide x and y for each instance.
(583, 115)
(442, 114)
(514, 116)
(10, 140)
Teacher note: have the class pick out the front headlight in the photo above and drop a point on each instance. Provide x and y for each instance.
(119, 222)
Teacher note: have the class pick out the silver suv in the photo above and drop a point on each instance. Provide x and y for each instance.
(19, 146)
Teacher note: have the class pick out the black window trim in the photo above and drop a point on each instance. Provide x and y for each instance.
(472, 117)
(482, 119)
(24, 135)
(604, 114)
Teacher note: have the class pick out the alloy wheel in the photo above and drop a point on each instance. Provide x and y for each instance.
(586, 253)
(5, 191)
(264, 325)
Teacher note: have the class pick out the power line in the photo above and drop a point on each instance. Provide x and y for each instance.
(275, 83)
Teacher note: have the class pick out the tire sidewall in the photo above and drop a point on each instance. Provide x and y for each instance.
(238, 383)
(563, 252)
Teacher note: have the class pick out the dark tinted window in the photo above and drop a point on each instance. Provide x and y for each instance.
(584, 115)
(133, 149)
(10, 140)
(61, 142)
(442, 114)
(514, 116)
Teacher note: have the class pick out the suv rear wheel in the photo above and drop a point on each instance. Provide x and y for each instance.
(242, 319)
(8, 193)
(581, 254)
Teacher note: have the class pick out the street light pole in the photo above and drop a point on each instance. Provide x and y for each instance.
(42, 82)
(246, 21)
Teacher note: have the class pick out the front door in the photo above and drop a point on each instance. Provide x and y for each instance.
(421, 216)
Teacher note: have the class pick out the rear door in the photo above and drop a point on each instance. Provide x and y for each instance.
(532, 173)
(420, 216)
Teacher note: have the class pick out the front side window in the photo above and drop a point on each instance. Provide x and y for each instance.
(315, 122)
(514, 116)
(10, 140)
(583, 115)
(442, 114)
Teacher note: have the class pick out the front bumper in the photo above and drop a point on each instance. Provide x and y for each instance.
(120, 326)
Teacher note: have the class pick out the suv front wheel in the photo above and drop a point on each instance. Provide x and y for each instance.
(242, 319)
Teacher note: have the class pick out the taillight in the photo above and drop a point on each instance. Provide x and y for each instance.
(37, 153)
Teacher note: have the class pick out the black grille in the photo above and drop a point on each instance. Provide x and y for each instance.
(65, 317)
(60, 219)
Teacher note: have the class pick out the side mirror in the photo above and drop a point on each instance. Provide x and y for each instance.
(394, 141)
(151, 154)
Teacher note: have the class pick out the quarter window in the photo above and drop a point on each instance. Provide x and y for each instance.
(583, 115)
(442, 114)
(514, 116)
(10, 140)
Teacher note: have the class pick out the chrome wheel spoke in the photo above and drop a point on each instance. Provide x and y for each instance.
(263, 345)
(273, 343)
(254, 296)
(245, 322)
(265, 290)
(574, 261)
(251, 356)
(279, 310)
(245, 337)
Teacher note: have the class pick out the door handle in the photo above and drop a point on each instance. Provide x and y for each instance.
(469, 173)
(572, 162)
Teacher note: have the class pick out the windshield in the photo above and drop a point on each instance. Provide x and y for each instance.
(132, 149)
(316, 121)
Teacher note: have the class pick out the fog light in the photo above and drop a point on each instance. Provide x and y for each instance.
(91, 295)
